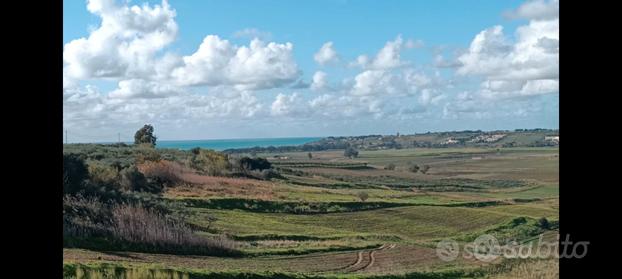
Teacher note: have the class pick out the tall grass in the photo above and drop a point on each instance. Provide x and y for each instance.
(90, 223)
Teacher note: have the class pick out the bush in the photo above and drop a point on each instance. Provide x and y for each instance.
(164, 172)
(413, 168)
(132, 227)
(134, 180)
(390, 166)
(350, 152)
(425, 169)
(363, 196)
(543, 223)
(146, 153)
(75, 173)
(210, 162)
(245, 164)
(102, 174)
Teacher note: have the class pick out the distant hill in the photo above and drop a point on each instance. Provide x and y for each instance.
(500, 138)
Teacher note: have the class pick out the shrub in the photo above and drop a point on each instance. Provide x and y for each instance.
(164, 172)
(390, 166)
(543, 223)
(350, 152)
(210, 162)
(425, 169)
(134, 180)
(144, 153)
(363, 196)
(133, 227)
(413, 168)
(102, 174)
(75, 173)
(245, 164)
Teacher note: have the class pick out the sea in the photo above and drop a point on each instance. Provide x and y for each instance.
(222, 144)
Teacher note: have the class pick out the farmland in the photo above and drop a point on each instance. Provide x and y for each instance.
(330, 216)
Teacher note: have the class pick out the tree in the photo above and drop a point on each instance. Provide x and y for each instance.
(413, 168)
(350, 152)
(425, 169)
(390, 166)
(543, 223)
(75, 173)
(310, 155)
(363, 196)
(145, 135)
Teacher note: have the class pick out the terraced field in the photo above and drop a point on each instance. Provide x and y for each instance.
(313, 221)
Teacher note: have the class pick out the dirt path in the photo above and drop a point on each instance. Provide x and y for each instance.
(366, 259)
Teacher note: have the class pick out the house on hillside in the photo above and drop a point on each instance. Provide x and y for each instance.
(552, 138)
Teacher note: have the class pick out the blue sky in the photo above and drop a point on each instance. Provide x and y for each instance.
(385, 97)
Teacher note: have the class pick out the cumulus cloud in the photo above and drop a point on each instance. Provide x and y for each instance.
(529, 65)
(536, 9)
(87, 107)
(138, 88)
(326, 54)
(125, 43)
(288, 105)
(387, 58)
(390, 83)
(319, 81)
(258, 66)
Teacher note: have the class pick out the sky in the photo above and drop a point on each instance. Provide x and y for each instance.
(219, 69)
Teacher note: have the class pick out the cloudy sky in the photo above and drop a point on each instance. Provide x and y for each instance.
(268, 68)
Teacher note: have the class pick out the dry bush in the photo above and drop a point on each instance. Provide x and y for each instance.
(133, 227)
(85, 217)
(138, 225)
(165, 172)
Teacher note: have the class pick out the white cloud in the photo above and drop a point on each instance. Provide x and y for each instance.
(387, 58)
(414, 43)
(252, 33)
(258, 66)
(384, 83)
(138, 88)
(124, 45)
(288, 105)
(536, 9)
(527, 66)
(319, 81)
(326, 54)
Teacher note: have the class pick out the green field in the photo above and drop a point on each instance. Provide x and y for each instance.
(313, 222)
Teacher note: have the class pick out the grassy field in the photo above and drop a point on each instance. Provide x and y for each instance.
(312, 222)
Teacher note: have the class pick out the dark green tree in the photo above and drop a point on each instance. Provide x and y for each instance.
(145, 135)
(75, 173)
(350, 152)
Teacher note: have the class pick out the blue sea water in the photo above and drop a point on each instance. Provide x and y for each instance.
(222, 144)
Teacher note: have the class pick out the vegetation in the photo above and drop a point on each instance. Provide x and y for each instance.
(130, 210)
(145, 135)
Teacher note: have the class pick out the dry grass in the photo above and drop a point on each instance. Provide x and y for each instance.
(214, 186)
(539, 269)
(171, 172)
